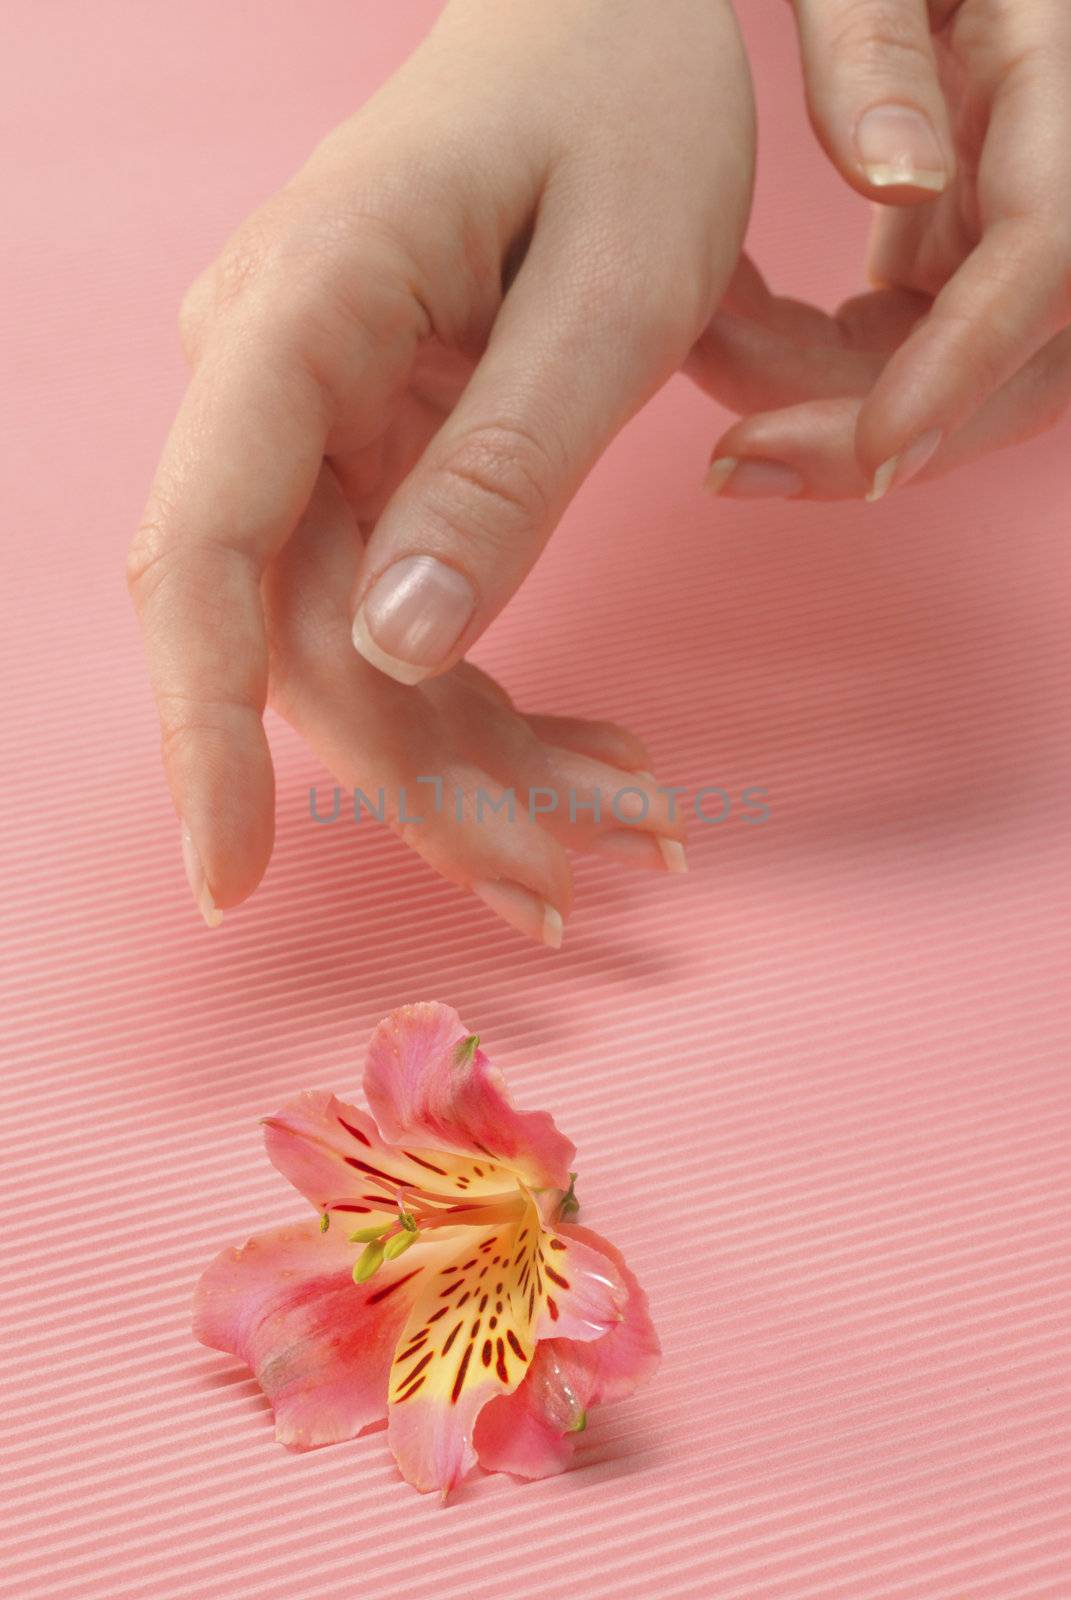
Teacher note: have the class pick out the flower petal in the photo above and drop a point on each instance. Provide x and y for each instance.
(530, 1432)
(577, 1283)
(428, 1082)
(470, 1336)
(472, 1333)
(335, 1155)
(320, 1345)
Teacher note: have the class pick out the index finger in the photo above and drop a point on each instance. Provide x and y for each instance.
(237, 472)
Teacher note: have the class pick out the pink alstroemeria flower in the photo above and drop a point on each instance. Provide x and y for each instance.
(439, 1284)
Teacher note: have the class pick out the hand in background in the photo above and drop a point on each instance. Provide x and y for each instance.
(963, 345)
(423, 343)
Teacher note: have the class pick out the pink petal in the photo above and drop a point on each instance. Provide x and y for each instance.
(581, 1287)
(470, 1336)
(629, 1354)
(432, 1438)
(423, 1090)
(530, 1433)
(335, 1155)
(320, 1345)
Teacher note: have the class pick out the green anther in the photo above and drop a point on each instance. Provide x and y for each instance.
(466, 1050)
(368, 1262)
(398, 1244)
(580, 1424)
(569, 1204)
(325, 1221)
(365, 1235)
(408, 1221)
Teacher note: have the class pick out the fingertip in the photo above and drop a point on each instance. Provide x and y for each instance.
(224, 792)
(523, 909)
(899, 469)
(603, 741)
(405, 672)
(754, 478)
(409, 623)
(901, 158)
(195, 877)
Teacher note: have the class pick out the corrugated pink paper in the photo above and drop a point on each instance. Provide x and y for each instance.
(820, 1086)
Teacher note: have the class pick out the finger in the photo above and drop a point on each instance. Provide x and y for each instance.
(1012, 294)
(808, 451)
(748, 367)
(594, 806)
(434, 766)
(876, 320)
(603, 741)
(483, 683)
(874, 95)
(787, 352)
(555, 384)
(606, 771)
(800, 452)
(237, 472)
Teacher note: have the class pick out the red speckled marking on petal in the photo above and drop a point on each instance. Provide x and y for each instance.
(381, 1294)
(356, 1133)
(459, 1381)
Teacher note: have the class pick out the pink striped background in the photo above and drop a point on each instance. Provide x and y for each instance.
(820, 1086)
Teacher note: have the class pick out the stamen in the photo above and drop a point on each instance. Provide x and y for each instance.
(368, 1262)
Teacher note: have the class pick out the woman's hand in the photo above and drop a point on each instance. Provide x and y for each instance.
(426, 340)
(964, 346)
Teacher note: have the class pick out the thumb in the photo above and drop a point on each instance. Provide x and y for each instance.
(568, 362)
(874, 95)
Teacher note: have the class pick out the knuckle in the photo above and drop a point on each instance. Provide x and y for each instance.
(314, 285)
(277, 269)
(203, 576)
(881, 36)
(497, 480)
(242, 264)
(145, 557)
(300, 251)
(190, 724)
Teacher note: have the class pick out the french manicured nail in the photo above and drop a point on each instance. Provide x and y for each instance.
(645, 849)
(195, 876)
(522, 909)
(411, 618)
(752, 478)
(899, 149)
(900, 469)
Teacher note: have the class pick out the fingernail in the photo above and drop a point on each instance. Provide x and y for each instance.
(644, 849)
(411, 618)
(898, 148)
(522, 909)
(673, 854)
(195, 876)
(752, 478)
(900, 469)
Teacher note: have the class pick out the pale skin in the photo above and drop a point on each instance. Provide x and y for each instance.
(416, 351)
